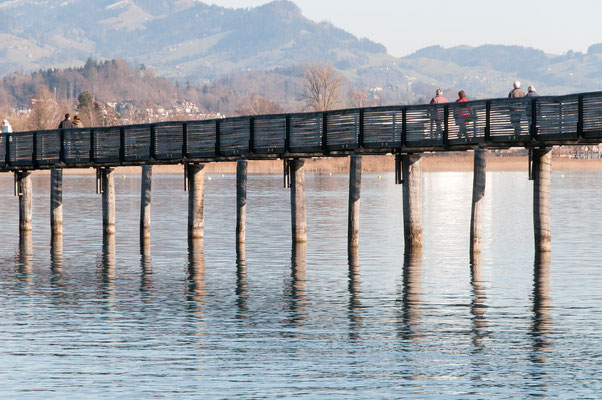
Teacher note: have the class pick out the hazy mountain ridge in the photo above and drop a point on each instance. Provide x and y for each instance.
(185, 39)
(190, 40)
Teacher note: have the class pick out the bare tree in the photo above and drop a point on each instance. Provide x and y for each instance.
(259, 105)
(322, 88)
(45, 113)
(357, 98)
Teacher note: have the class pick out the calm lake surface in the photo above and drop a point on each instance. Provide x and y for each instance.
(105, 322)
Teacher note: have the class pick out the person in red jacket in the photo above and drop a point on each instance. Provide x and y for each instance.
(462, 114)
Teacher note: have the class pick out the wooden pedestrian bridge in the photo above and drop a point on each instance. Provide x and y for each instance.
(536, 123)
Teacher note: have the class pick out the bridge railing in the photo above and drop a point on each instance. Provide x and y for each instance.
(383, 129)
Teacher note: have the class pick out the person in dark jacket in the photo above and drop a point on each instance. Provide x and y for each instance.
(516, 110)
(532, 92)
(66, 123)
(437, 114)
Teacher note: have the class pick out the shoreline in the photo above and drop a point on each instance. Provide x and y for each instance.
(383, 164)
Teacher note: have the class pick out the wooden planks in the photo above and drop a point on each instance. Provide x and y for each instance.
(234, 136)
(306, 132)
(592, 114)
(269, 134)
(107, 144)
(48, 147)
(201, 136)
(383, 128)
(137, 141)
(169, 140)
(76, 145)
(557, 116)
(343, 129)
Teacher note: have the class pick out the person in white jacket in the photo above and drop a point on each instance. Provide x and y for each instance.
(6, 128)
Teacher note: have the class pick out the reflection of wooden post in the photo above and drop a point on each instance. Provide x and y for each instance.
(25, 251)
(56, 253)
(298, 301)
(196, 273)
(108, 201)
(145, 202)
(478, 196)
(241, 202)
(108, 259)
(412, 200)
(542, 173)
(56, 201)
(196, 200)
(25, 200)
(412, 293)
(355, 184)
(542, 303)
(298, 217)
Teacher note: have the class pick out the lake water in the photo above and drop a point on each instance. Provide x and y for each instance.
(105, 322)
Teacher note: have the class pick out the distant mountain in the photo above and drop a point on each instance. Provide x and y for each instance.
(181, 38)
(490, 69)
(190, 40)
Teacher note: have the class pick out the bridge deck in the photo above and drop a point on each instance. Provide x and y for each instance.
(495, 123)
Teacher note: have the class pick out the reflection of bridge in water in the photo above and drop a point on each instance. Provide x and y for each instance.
(406, 131)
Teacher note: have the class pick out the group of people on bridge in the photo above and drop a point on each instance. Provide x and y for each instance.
(68, 123)
(464, 115)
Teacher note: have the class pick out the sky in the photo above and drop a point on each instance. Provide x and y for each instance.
(404, 26)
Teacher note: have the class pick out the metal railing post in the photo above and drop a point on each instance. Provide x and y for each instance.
(360, 137)
(533, 127)
(324, 132)
(580, 117)
(488, 120)
(251, 135)
(218, 144)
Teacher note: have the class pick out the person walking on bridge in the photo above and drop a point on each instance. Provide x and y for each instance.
(6, 128)
(532, 92)
(516, 110)
(462, 115)
(77, 122)
(66, 123)
(516, 91)
(437, 114)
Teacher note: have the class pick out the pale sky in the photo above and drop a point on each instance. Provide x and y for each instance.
(405, 26)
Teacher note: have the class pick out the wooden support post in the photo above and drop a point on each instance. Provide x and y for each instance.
(542, 173)
(196, 200)
(478, 196)
(145, 203)
(25, 192)
(241, 203)
(355, 184)
(56, 201)
(108, 201)
(412, 200)
(298, 217)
